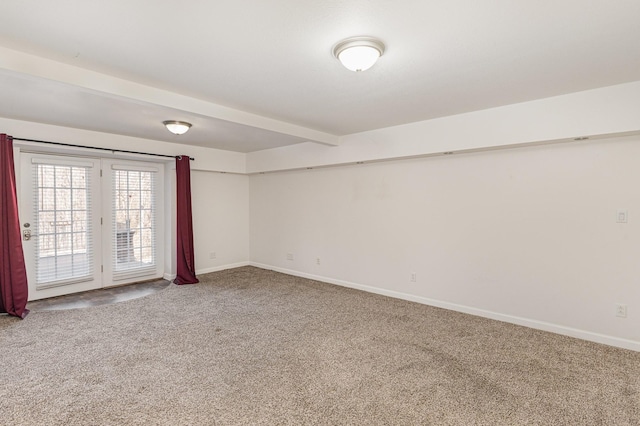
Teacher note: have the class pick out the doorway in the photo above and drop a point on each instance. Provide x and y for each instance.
(90, 223)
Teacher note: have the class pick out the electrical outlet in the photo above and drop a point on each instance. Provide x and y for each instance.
(212, 255)
(622, 216)
(621, 311)
(413, 277)
(289, 256)
(317, 260)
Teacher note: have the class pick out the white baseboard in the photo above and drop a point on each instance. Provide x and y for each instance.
(171, 277)
(221, 268)
(539, 325)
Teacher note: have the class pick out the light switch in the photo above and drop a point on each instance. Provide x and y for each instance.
(622, 216)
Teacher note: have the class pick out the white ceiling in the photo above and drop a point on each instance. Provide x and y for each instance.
(272, 62)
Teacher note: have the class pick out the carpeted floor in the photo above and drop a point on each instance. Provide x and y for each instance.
(248, 346)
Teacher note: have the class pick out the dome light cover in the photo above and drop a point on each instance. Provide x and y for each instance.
(177, 127)
(358, 53)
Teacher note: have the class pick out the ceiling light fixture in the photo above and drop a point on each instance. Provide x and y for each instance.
(358, 53)
(177, 127)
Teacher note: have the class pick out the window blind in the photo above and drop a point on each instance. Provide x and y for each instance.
(63, 237)
(134, 222)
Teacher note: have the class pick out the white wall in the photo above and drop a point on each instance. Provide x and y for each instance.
(527, 235)
(220, 204)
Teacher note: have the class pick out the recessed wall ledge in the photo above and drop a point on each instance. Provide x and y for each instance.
(606, 112)
(452, 153)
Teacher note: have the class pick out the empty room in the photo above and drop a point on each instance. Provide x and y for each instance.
(320, 212)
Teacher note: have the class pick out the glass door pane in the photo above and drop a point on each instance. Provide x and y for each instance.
(64, 247)
(134, 232)
(134, 225)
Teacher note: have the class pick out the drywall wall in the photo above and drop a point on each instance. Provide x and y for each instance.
(220, 204)
(526, 235)
(605, 111)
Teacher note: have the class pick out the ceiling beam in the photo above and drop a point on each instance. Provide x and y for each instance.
(36, 66)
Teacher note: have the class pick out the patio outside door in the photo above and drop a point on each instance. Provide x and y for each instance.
(89, 223)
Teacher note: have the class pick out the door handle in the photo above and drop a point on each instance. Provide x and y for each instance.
(26, 234)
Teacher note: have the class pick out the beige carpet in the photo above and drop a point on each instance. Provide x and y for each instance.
(249, 346)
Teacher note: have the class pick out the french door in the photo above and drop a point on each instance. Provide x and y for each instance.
(89, 223)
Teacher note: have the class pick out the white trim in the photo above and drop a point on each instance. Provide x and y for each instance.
(526, 322)
(221, 268)
(171, 277)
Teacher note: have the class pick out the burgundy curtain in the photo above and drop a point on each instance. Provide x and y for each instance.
(186, 262)
(13, 273)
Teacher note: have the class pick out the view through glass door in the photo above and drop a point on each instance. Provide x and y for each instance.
(89, 223)
(133, 222)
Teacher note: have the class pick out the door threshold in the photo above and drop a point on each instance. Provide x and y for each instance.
(103, 296)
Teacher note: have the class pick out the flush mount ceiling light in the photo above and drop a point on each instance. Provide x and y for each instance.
(358, 53)
(177, 127)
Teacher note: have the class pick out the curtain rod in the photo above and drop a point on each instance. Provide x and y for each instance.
(101, 149)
